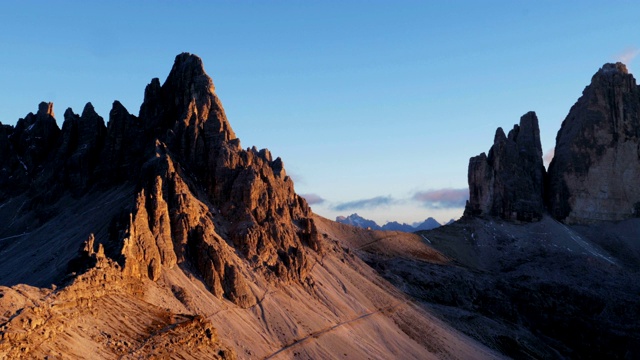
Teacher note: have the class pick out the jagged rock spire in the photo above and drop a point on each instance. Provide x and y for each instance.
(187, 99)
(45, 110)
(35, 137)
(268, 224)
(509, 181)
(82, 141)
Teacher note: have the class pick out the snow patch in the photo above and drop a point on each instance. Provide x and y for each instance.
(425, 238)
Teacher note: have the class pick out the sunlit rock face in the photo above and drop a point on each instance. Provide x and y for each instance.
(202, 198)
(508, 183)
(595, 173)
(201, 201)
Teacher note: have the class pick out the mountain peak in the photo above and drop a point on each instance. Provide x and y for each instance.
(611, 75)
(508, 182)
(596, 150)
(188, 62)
(357, 220)
(499, 136)
(45, 109)
(89, 110)
(600, 135)
(186, 104)
(188, 75)
(611, 68)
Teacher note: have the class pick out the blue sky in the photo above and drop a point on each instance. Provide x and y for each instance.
(374, 106)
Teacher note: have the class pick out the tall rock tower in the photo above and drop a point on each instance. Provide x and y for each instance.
(509, 181)
(595, 173)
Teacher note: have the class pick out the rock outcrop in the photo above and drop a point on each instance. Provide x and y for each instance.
(13, 171)
(169, 226)
(595, 173)
(508, 183)
(123, 151)
(202, 202)
(35, 137)
(82, 139)
(26, 149)
(247, 192)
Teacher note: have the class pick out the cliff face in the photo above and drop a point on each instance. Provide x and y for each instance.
(201, 201)
(27, 149)
(594, 175)
(203, 197)
(82, 140)
(508, 183)
(596, 168)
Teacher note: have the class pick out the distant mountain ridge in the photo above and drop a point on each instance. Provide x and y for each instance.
(357, 220)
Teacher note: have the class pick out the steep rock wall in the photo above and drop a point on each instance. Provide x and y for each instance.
(508, 183)
(595, 173)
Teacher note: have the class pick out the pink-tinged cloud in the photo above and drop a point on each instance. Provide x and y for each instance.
(442, 198)
(548, 156)
(312, 199)
(628, 55)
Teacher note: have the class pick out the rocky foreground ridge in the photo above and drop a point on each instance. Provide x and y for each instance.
(595, 172)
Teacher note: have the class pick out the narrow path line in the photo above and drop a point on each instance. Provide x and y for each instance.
(373, 242)
(321, 332)
(14, 236)
(585, 245)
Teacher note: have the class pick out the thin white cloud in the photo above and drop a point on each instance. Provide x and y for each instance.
(442, 198)
(365, 203)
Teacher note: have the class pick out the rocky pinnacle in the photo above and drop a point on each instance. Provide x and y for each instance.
(509, 181)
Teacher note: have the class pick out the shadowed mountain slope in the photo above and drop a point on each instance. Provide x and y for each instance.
(532, 290)
(525, 279)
